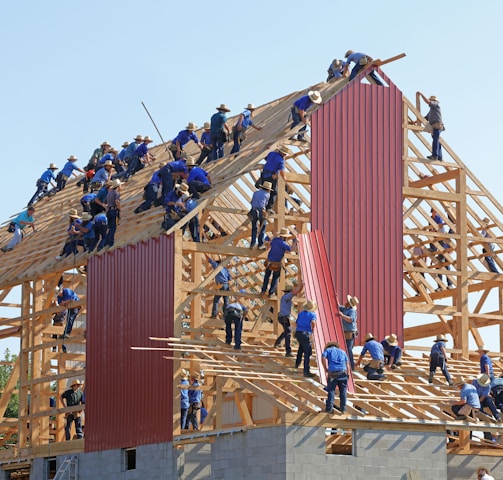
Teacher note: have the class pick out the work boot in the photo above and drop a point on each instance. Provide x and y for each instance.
(430, 378)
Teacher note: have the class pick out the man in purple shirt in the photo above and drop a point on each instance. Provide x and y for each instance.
(206, 146)
(67, 171)
(151, 191)
(279, 247)
(258, 213)
(299, 111)
(199, 180)
(376, 351)
(184, 137)
(360, 60)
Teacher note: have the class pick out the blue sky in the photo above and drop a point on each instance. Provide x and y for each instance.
(75, 73)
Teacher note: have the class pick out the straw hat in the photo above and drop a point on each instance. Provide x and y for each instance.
(52, 166)
(108, 163)
(125, 144)
(138, 138)
(314, 96)
(191, 126)
(75, 382)
(331, 344)
(147, 139)
(284, 232)
(207, 125)
(486, 220)
(284, 150)
(483, 348)
(190, 162)
(441, 338)
(72, 213)
(310, 306)
(115, 183)
(86, 216)
(184, 374)
(392, 340)
(183, 187)
(484, 380)
(484, 469)
(266, 186)
(336, 63)
(72, 158)
(223, 107)
(459, 381)
(105, 144)
(353, 301)
(433, 98)
(288, 288)
(250, 106)
(368, 337)
(194, 375)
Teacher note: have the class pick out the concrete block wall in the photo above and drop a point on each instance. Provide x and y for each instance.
(461, 467)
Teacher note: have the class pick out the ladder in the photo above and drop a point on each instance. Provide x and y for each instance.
(69, 469)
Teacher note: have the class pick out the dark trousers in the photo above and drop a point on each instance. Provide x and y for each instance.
(193, 228)
(72, 315)
(218, 142)
(231, 320)
(151, 193)
(196, 187)
(488, 402)
(438, 361)
(350, 343)
(216, 299)
(78, 426)
(305, 350)
(61, 181)
(113, 220)
(286, 334)
(183, 418)
(295, 121)
(337, 380)
(41, 189)
(258, 221)
(100, 236)
(274, 282)
(205, 154)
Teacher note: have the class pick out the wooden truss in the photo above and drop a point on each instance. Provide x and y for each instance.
(258, 386)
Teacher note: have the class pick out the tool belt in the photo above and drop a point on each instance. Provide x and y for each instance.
(376, 364)
(273, 266)
(337, 374)
(438, 126)
(349, 335)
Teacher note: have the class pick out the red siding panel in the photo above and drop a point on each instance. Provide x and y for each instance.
(129, 392)
(319, 286)
(356, 156)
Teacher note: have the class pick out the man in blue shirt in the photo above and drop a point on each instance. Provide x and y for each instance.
(336, 364)
(239, 130)
(102, 176)
(273, 265)
(234, 314)
(206, 145)
(349, 315)
(67, 171)
(258, 214)
(285, 310)
(335, 70)
(218, 129)
(87, 200)
(18, 224)
(184, 400)
(151, 191)
(222, 279)
(486, 364)
(305, 324)
(100, 231)
(139, 158)
(86, 229)
(469, 400)
(199, 180)
(184, 137)
(64, 298)
(273, 167)
(360, 60)
(392, 352)
(195, 399)
(299, 111)
(376, 351)
(438, 359)
(434, 117)
(43, 182)
(483, 385)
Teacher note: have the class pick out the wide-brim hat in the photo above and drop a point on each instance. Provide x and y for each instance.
(108, 163)
(310, 306)
(116, 183)
(183, 187)
(314, 96)
(223, 107)
(75, 382)
(190, 161)
(284, 232)
(483, 348)
(147, 139)
(266, 185)
(288, 288)
(353, 301)
(331, 344)
(368, 337)
(105, 144)
(191, 126)
(392, 340)
(459, 381)
(250, 106)
(125, 144)
(484, 380)
(86, 216)
(72, 213)
(195, 375)
(284, 150)
(184, 374)
(138, 138)
(52, 166)
(433, 98)
(441, 338)
(207, 125)
(486, 220)
(72, 158)
(336, 63)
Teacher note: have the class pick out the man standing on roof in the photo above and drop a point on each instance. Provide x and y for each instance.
(67, 171)
(222, 279)
(218, 129)
(206, 146)
(274, 263)
(336, 364)
(392, 352)
(305, 324)
(438, 359)
(349, 315)
(198, 180)
(273, 167)
(300, 108)
(234, 314)
(195, 400)
(486, 364)
(113, 211)
(184, 137)
(43, 182)
(360, 60)
(17, 226)
(239, 130)
(374, 369)
(70, 398)
(483, 386)
(434, 117)
(258, 214)
(285, 310)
